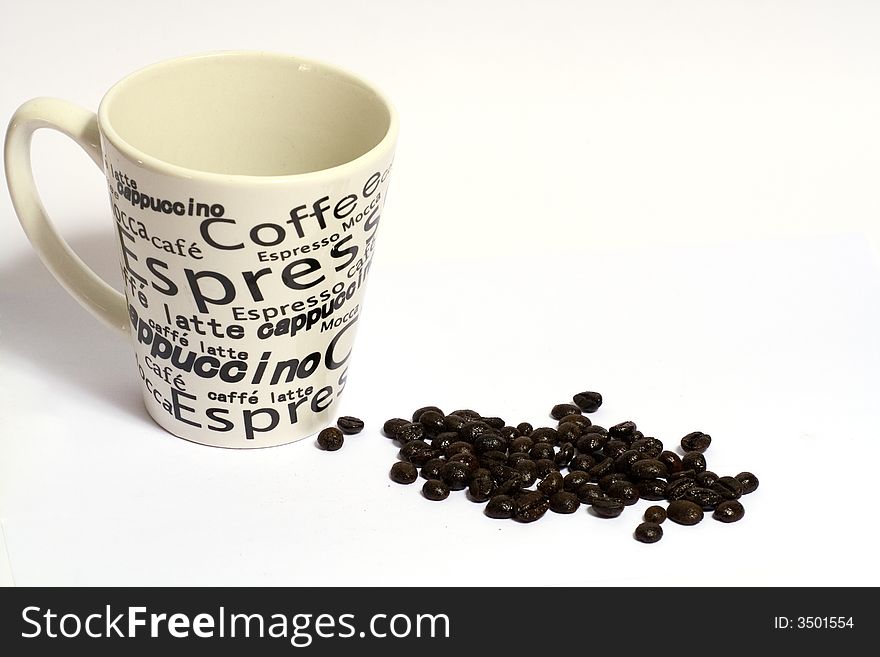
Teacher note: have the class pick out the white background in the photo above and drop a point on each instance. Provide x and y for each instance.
(674, 203)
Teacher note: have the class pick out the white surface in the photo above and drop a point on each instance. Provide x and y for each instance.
(648, 199)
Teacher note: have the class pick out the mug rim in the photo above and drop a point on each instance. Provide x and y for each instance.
(159, 165)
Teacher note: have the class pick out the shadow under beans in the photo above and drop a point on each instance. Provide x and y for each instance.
(42, 324)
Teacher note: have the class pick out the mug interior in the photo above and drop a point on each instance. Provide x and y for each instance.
(253, 114)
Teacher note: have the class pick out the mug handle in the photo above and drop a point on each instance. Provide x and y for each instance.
(75, 276)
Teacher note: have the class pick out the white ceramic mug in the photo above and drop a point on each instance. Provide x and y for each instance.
(246, 191)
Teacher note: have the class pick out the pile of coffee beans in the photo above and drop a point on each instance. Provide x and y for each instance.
(521, 472)
(332, 438)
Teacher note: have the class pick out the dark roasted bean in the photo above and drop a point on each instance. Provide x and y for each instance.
(607, 507)
(508, 433)
(749, 482)
(696, 442)
(521, 444)
(564, 502)
(684, 512)
(435, 490)
(481, 489)
(456, 475)
(330, 439)
(471, 462)
(495, 455)
(581, 462)
(494, 422)
(655, 514)
(595, 428)
(392, 426)
(650, 447)
(409, 432)
(561, 410)
(417, 414)
(581, 421)
(542, 451)
(623, 431)
(683, 474)
(350, 425)
(614, 448)
(694, 461)
(488, 442)
(528, 472)
(588, 402)
(516, 457)
(729, 511)
(442, 441)
(648, 532)
(591, 442)
(467, 414)
(431, 469)
(525, 429)
(472, 429)
(544, 435)
(568, 432)
(602, 468)
(564, 455)
(648, 469)
(433, 422)
(672, 461)
(705, 497)
(606, 481)
(706, 479)
(624, 491)
(500, 507)
(545, 467)
(729, 488)
(590, 492)
(625, 461)
(481, 473)
(501, 473)
(512, 486)
(652, 489)
(412, 448)
(676, 489)
(453, 422)
(420, 457)
(530, 506)
(458, 447)
(403, 472)
(574, 480)
(550, 484)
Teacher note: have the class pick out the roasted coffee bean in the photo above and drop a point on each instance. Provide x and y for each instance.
(588, 402)
(521, 444)
(488, 442)
(614, 448)
(545, 467)
(596, 428)
(467, 414)
(525, 429)
(607, 507)
(729, 488)
(574, 480)
(435, 490)
(542, 451)
(581, 421)
(412, 448)
(624, 491)
(602, 468)
(516, 457)
(623, 431)
(350, 425)
(417, 414)
(625, 461)
(481, 473)
(561, 410)
(495, 455)
(433, 421)
(684, 512)
(648, 532)
(530, 506)
(706, 479)
(564, 455)
(403, 472)
(459, 447)
(470, 430)
(694, 461)
(588, 493)
(550, 484)
(676, 489)
(568, 432)
(650, 447)
(454, 422)
(500, 507)
(655, 514)
(648, 469)
(684, 474)
(672, 461)
(591, 442)
(501, 473)
(456, 475)
(442, 441)
(528, 472)
(409, 432)
(581, 462)
(696, 442)
(431, 469)
(471, 462)
(392, 426)
(330, 439)
(652, 489)
(494, 422)
(481, 489)
(546, 435)
(512, 486)
(606, 481)
(420, 457)
(729, 511)
(705, 497)
(749, 482)
(636, 435)
(508, 433)
(564, 502)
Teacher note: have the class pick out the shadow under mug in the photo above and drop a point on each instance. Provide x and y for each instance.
(246, 191)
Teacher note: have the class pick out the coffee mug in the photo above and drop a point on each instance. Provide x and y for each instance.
(246, 191)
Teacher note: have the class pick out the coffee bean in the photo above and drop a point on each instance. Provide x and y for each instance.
(392, 426)
(581, 462)
(501, 473)
(467, 414)
(623, 430)
(432, 468)
(749, 482)
(481, 489)
(676, 488)
(470, 430)
(591, 442)
(564, 502)
(456, 475)
(588, 493)
(350, 425)
(706, 479)
(417, 414)
(508, 433)
(413, 448)
(409, 432)
(547, 435)
(481, 473)
(564, 455)
(652, 489)
(602, 468)
(696, 442)
(624, 491)
(568, 432)
(435, 490)
(494, 422)
(521, 444)
(433, 421)
(528, 472)
(705, 497)
(614, 448)
(729, 511)
(459, 447)
(500, 507)
(655, 514)
(550, 484)
(545, 467)
(574, 480)
(611, 478)
(330, 439)
(469, 461)
(530, 506)
(525, 429)
(650, 447)
(648, 469)
(672, 461)
(516, 457)
(684, 512)
(496, 456)
(442, 441)
(489, 442)
(588, 402)
(625, 461)
(454, 422)
(403, 472)
(582, 421)
(694, 461)
(607, 507)
(512, 486)
(561, 410)
(648, 532)
(595, 428)
(542, 451)
(729, 488)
